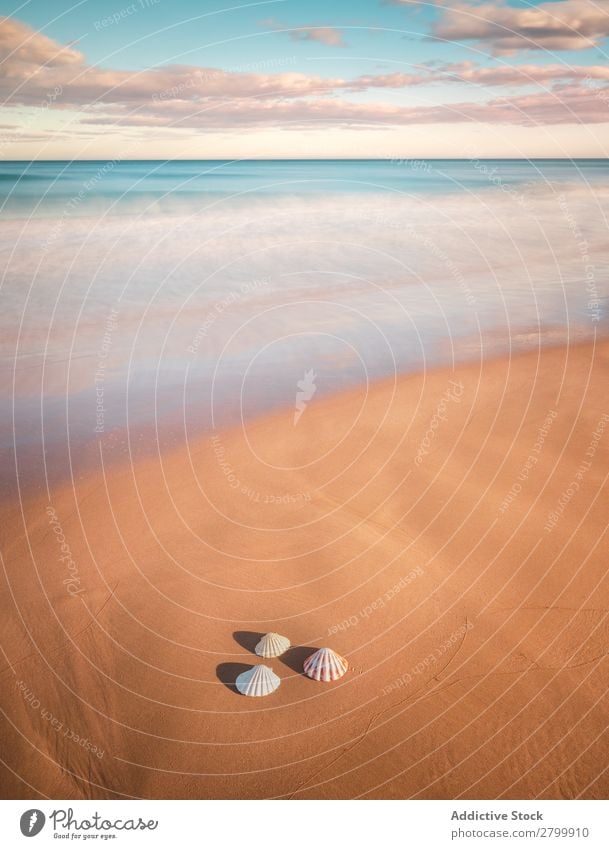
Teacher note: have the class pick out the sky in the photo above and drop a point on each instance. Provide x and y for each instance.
(157, 79)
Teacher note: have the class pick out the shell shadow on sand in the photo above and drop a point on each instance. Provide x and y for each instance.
(248, 640)
(227, 673)
(296, 656)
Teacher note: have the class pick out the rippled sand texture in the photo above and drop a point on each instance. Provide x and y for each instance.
(445, 532)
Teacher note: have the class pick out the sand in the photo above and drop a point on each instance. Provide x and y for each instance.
(446, 532)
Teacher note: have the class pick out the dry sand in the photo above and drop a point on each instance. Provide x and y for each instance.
(476, 627)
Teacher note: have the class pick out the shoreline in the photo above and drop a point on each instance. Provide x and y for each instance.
(172, 432)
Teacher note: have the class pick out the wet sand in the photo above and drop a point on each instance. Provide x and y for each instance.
(446, 532)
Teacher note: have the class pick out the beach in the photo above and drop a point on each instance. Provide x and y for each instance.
(444, 530)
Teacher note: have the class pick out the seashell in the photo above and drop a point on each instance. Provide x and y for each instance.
(258, 681)
(272, 645)
(325, 665)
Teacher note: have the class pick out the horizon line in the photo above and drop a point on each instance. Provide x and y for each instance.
(328, 159)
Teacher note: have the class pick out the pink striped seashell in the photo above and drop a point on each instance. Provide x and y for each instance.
(325, 665)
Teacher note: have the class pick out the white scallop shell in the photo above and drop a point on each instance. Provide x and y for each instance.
(272, 645)
(258, 681)
(325, 665)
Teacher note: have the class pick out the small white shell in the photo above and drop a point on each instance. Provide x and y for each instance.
(272, 645)
(325, 665)
(258, 681)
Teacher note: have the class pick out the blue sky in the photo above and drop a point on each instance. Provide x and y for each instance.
(223, 34)
(441, 51)
(226, 34)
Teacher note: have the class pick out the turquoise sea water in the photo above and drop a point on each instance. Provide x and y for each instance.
(43, 188)
(184, 295)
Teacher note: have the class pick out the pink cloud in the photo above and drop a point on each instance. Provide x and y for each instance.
(559, 25)
(518, 75)
(21, 45)
(577, 104)
(330, 36)
(194, 97)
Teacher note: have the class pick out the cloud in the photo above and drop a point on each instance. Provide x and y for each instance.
(21, 46)
(86, 85)
(184, 96)
(574, 105)
(558, 25)
(330, 36)
(83, 85)
(519, 75)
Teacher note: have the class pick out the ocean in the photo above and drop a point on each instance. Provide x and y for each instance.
(117, 187)
(177, 297)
